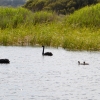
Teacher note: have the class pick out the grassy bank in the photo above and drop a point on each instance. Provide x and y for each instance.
(52, 35)
(43, 28)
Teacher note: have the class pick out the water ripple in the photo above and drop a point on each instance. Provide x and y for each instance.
(30, 76)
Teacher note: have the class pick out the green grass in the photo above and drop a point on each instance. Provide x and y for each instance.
(12, 17)
(73, 33)
(88, 16)
(52, 35)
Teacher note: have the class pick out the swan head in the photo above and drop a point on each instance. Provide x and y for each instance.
(79, 62)
(42, 46)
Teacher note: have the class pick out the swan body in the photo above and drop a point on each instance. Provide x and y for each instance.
(6, 61)
(46, 53)
(84, 63)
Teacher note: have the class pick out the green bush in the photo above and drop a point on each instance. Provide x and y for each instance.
(88, 16)
(43, 17)
(12, 17)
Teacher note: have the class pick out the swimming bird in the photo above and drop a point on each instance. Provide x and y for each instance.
(46, 53)
(6, 61)
(84, 63)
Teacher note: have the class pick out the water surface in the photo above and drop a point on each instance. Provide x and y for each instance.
(30, 76)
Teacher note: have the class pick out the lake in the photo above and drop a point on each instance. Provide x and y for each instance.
(31, 76)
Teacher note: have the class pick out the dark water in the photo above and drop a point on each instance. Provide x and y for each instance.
(30, 76)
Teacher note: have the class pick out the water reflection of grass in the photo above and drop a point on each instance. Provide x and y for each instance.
(54, 34)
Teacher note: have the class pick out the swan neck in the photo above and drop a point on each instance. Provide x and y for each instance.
(43, 50)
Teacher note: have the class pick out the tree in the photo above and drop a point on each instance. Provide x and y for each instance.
(58, 6)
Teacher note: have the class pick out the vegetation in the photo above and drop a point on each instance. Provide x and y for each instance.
(73, 32)
(52, 35)
(12, 17)
(58, 6)
(88, 16)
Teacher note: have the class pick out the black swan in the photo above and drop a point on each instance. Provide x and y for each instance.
(46, 53)
(84, 63)
(6, 61)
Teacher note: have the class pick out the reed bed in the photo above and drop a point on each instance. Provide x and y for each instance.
(52, 35)
(12, 17)
(88, 16)
(42, 28)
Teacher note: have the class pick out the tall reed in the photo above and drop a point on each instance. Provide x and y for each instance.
(46, 30)
(52, 34)
(12, 17)
(87, 16)
(43, 17)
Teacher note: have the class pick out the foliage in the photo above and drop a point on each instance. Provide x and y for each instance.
(52, 34)
(87, 16)
(12, 17)
(77, 32)
(59, 6)
(43, 17)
